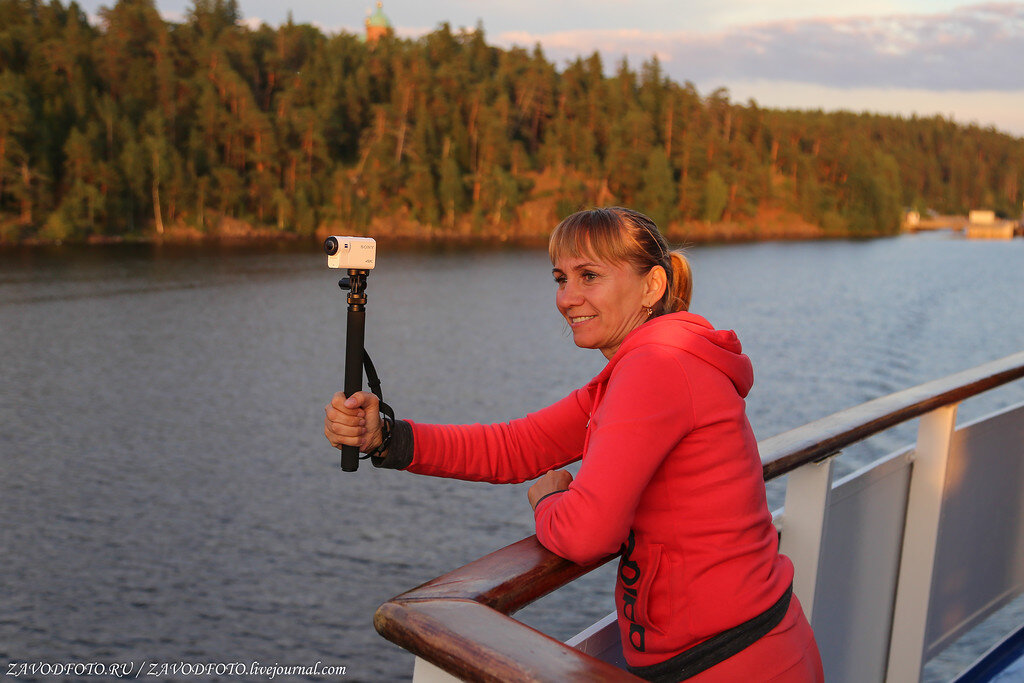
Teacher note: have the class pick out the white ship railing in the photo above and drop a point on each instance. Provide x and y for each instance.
(892, 562)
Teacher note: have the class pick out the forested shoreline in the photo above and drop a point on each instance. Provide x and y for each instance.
(139, 128)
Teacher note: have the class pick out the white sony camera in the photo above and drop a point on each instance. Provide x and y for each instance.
(351, 252)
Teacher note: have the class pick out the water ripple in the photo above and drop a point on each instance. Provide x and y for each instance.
(168, 495)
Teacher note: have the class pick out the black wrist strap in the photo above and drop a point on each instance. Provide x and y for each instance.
(547, 495)
(388, 419)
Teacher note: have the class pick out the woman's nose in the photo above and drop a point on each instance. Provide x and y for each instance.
(568, 296)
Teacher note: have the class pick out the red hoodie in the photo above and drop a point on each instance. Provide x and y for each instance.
(671, 476)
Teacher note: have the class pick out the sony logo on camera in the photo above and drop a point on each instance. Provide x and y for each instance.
(351, 252)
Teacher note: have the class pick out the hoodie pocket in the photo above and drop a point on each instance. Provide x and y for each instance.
(645, 595)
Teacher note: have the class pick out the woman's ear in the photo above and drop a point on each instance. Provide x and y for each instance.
(655, 282)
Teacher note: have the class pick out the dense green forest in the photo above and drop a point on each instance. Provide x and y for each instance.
(140, 127)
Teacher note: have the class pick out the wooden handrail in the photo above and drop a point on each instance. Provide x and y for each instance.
(821, 438)
(459, 621)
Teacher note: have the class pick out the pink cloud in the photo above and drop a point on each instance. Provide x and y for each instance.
(971, 48)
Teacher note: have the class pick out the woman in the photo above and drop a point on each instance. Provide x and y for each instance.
(670, 477)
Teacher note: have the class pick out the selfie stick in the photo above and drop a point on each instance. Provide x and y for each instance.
(355, 283)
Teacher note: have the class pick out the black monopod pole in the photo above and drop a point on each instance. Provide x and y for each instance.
(355, 283)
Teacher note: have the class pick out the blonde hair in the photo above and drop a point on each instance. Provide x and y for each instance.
(614, 234)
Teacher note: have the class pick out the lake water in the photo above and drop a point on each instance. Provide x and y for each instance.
(166, 493)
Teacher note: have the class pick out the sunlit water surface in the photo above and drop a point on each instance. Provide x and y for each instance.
(166, 493)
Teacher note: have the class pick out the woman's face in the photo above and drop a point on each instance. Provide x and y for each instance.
(602, 302)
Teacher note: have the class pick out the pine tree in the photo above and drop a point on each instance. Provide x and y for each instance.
(716, 197)
(657, 196)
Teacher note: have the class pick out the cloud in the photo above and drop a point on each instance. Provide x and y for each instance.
(978, 47)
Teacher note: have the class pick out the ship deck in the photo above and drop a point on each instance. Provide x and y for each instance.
(1004, 663)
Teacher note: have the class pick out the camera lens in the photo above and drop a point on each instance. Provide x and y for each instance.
(331, 246)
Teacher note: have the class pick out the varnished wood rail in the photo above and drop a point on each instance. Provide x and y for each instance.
(821, 438)
(460, 621)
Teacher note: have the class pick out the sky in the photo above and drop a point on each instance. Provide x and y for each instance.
(924, 57)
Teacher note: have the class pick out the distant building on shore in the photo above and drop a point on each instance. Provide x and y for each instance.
(377, 25)
(982, 224)
(911, 219)
(980, 217)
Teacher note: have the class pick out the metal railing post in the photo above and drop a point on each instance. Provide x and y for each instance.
(425, 672)
(803, 526)
(920, 538)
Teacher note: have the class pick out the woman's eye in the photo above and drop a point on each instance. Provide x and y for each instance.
(589, 277)
(560, 279)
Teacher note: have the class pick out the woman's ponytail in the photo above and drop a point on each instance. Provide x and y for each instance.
(680, 289)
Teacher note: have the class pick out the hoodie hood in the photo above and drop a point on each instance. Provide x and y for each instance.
(695, 335)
